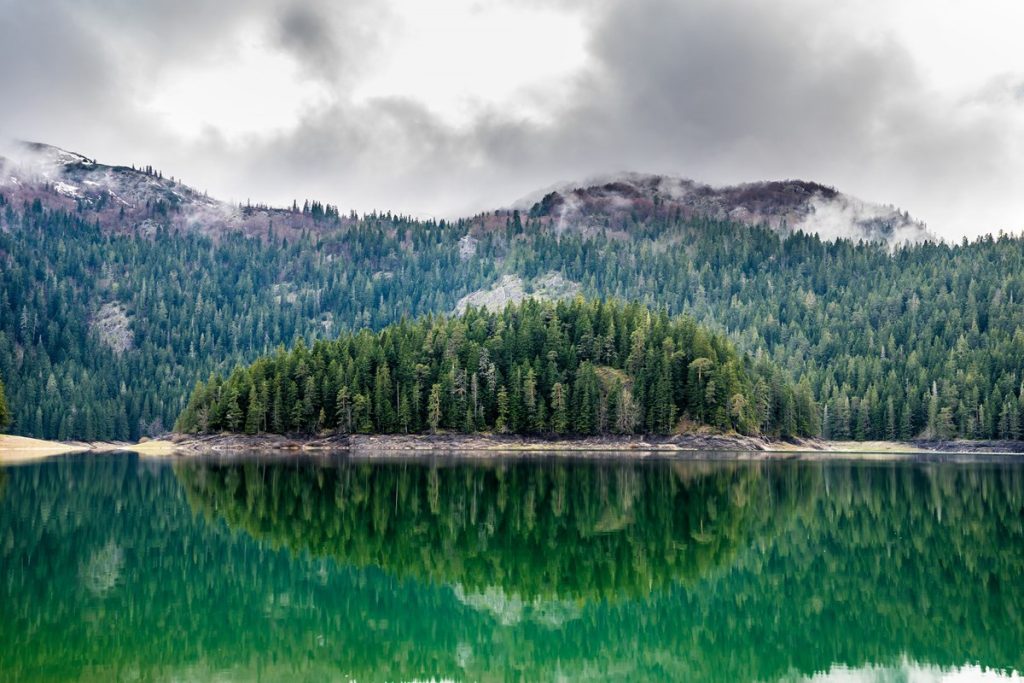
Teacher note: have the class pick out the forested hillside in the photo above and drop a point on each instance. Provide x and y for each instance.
(568, 368)
(103, 334)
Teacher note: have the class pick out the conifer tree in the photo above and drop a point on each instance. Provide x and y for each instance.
(501, 423)
(559, 409)
(434, 408)
(5, 413)
(233, 415)
(254, 412)
(343, 406)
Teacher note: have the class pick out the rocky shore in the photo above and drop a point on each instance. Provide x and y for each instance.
(482, 445)
(376, 446)
(464, 443)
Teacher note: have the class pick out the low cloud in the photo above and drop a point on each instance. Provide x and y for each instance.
(719, 90)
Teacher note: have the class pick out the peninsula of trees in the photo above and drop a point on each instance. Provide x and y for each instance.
(568, 368)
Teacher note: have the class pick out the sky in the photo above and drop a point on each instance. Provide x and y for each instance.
(451, 107)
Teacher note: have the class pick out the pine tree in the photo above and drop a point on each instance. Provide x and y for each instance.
(530, 400)
(944, 427)
(361, 414)
(933, 415)
(5, 413)
(434, 408)
(501, 423)
(404, 413)
(254, 413)
(233, 414)
(906, 427)
(277, 415)
(343, 406)
(559, 409)
(1014, 431)
(382, 407)
(585, 395)
(890, 419)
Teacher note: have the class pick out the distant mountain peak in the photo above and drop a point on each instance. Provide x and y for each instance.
(128, 199)
(123, 198)
(786, 206)
(54, 154)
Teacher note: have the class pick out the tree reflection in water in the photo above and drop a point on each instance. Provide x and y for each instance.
(511, 571)
(530, 529)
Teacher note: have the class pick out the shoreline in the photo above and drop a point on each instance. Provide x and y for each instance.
(487, 443)
(20, 449)
(17, 449)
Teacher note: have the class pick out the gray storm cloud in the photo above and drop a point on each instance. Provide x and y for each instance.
(720, 91)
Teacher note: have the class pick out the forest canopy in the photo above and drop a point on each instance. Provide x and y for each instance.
(104, 334)
(580, 367)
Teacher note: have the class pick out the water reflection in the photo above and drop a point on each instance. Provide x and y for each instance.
(910, 672)
(114, 569)
(511, 531)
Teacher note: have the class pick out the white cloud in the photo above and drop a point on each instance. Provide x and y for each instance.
(246, 90)
(461, 59)
(456, 106)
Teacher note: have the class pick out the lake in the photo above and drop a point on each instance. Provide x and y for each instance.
(121, 568)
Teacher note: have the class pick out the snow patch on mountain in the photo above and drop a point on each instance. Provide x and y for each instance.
(129, 199)
(67, 189)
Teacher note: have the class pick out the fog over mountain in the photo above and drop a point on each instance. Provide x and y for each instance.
(457, 107)
(786, 206)
(122, 198)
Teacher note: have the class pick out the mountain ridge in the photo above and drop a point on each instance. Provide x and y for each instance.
(104, 330)
(129, 199)
(786, 206)
(126, 198)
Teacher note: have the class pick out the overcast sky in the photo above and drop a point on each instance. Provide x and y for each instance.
(449, 107)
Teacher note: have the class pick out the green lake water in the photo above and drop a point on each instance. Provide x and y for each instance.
(117, 568)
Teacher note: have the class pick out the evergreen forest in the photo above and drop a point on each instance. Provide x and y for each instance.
(577, 368)
(105, 333)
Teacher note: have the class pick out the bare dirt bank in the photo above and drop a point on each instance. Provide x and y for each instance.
(385, 443)
(484, 445)
(16, 449)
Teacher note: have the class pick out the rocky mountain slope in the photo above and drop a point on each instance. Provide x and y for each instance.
(129, 199)
(141, 200)
(787, 206)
